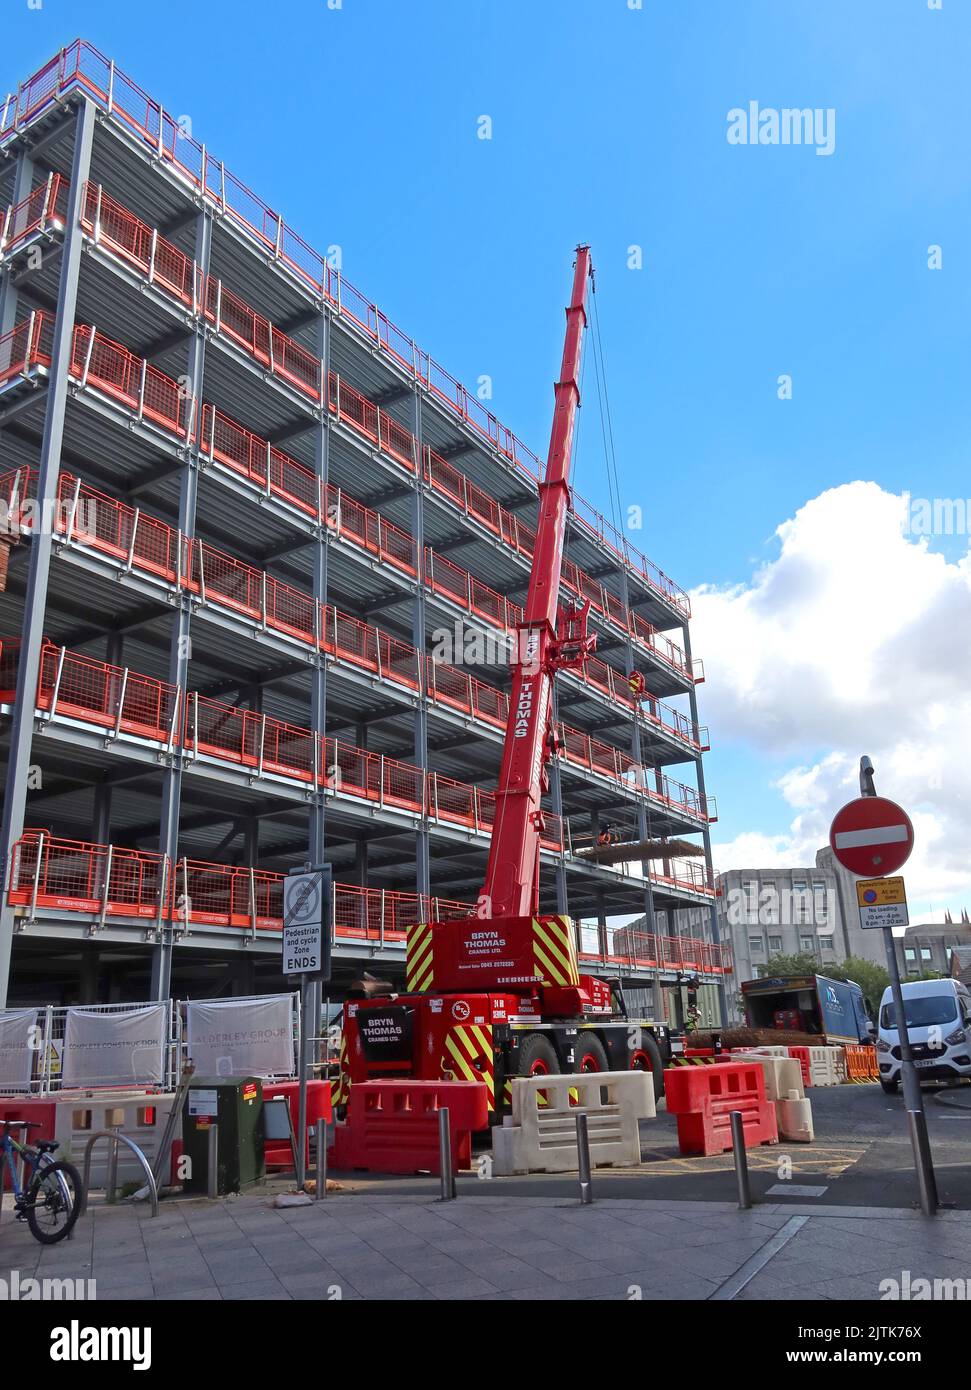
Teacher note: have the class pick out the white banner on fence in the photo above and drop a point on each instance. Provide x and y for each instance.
(18, 1046)
(116, 1047)
(241, 1037)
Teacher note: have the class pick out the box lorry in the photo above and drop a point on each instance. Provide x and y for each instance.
(831, 1010)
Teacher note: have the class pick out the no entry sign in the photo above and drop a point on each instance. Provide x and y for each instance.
(871, 836)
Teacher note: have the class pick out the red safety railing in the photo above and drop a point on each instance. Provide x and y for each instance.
(140, 540)
(43, 210)
(81, 65)
(74, 686)
(27, 345)
(63, 875)
(636, 949)
(74, 876)
(71, 685)
(112, 225)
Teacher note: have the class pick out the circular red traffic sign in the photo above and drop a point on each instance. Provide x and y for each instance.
(871, 836)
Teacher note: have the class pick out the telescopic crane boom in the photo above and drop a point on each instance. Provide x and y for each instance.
(548, 640)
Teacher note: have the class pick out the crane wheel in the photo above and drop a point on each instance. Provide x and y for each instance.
(593, 1056)
(537, 1057)
(648, 1058)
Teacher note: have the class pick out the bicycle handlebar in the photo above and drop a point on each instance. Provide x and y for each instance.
(22, 1124)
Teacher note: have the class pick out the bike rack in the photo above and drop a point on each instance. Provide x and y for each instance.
(115, 1139)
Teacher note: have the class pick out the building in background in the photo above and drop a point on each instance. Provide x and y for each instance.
(265, 615)
(931, 946)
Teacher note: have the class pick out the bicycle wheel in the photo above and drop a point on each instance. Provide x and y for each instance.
(53, 1202)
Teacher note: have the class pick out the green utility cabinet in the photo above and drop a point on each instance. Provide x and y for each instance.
(235, 1104)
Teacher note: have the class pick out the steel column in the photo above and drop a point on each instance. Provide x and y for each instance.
(706, 832)
(38, 569)
(181, 641)
(419, 641)
(22, 181)
(637, 753)
(318, 672)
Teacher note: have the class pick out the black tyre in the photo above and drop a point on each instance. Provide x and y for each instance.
(647, 1057)
(590, 1053)
(537, 1057)
(53, 1202)
(890, 1088)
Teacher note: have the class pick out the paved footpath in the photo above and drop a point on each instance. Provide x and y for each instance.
(382, 1247)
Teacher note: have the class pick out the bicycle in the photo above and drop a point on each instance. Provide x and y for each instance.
(49, 1199)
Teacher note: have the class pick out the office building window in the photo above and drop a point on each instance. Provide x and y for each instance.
(807, 943)
(756, 945)
(775, 944)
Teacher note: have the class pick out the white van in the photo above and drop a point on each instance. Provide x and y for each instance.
(938, 1014)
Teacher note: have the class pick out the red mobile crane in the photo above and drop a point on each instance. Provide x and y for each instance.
(499, 994)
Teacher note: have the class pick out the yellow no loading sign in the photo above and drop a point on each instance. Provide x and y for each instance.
(882, 902)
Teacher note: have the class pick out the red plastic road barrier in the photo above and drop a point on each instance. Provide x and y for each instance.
(392, 1126)
(704, 1097)
(278, 1153)
(801, 1055)
(37, 1111)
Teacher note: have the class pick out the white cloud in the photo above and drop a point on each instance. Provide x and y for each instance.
(853, 639)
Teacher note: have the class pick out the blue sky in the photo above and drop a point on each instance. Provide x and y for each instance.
(609, 125)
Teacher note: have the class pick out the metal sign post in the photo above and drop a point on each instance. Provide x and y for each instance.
(888, 839)
(307, 898)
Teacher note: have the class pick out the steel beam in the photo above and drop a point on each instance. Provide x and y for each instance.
(22, 723)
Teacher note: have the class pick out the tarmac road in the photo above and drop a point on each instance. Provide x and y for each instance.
(861, 1157)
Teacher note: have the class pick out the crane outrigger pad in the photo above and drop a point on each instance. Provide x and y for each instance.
(491, 953)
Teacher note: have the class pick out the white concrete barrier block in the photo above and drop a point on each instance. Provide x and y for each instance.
(542, 1137)
(794, 1117)
(782, 1075)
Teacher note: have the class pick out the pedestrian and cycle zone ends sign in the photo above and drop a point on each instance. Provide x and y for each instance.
(303, 918)
(882, 902)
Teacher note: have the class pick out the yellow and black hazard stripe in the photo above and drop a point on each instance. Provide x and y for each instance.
(340, 1085)
(469, 1054)
(541, 1100)
(554, 951)
(693, 1061)
(419, 967)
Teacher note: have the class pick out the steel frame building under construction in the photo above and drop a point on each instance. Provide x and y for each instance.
(240, 507)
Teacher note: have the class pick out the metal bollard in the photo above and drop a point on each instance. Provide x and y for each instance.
(321, 1188)
(111, 1181)
(583, 1160)
(212, 1166)
(445, 1156)
(926, 1181)
(741, 1161)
